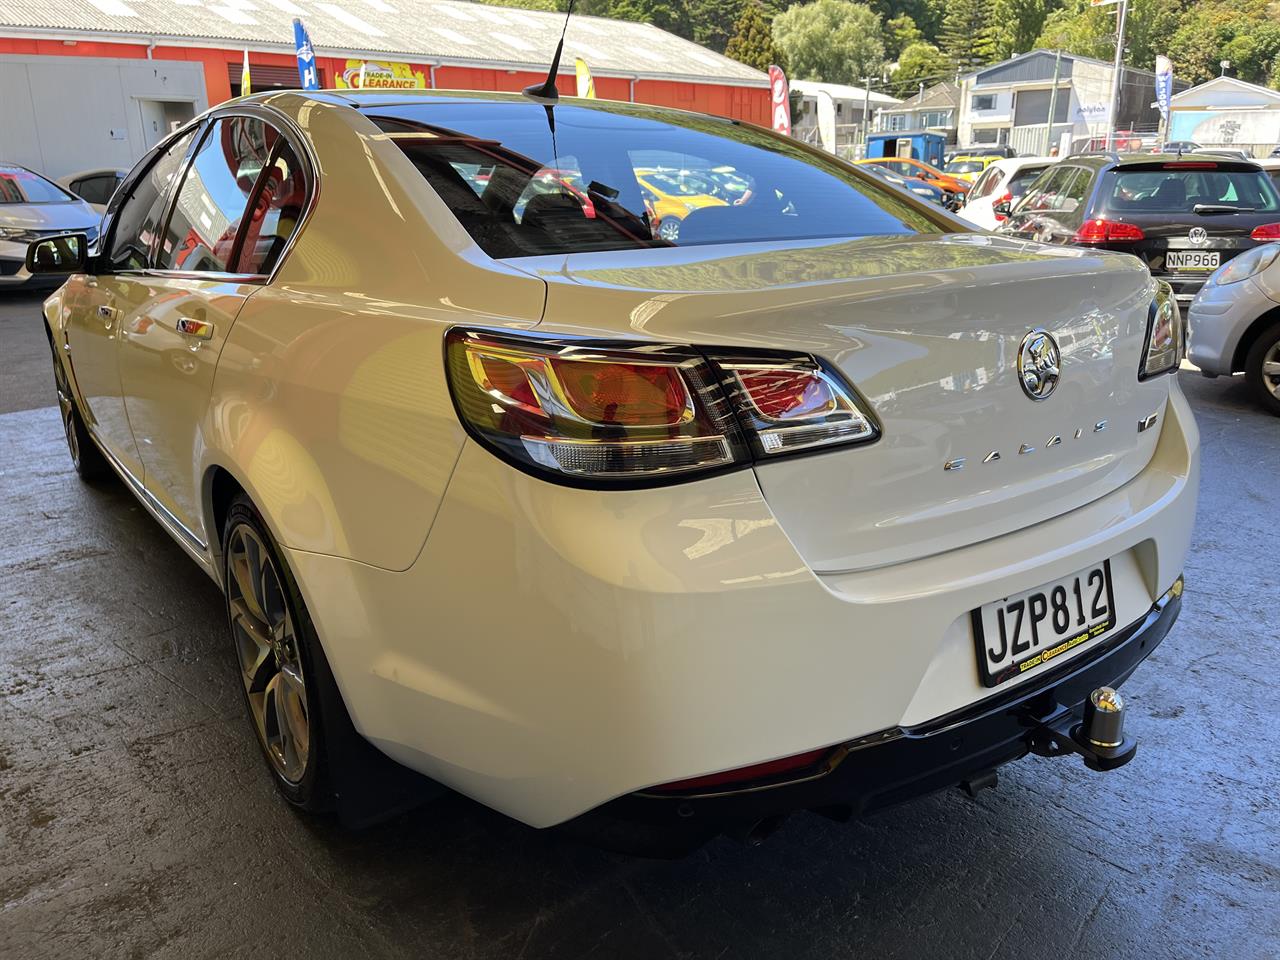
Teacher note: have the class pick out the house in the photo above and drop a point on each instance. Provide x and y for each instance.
(849, 104)
(1009, 102)
(1226, 112)
(935, 108)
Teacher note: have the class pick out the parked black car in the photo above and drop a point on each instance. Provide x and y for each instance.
(1184, 215)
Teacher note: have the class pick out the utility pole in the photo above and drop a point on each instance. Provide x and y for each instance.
(1116, 69)
(866, 108)
(1053, 102)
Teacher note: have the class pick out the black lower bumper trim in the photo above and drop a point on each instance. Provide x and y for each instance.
(898, 764)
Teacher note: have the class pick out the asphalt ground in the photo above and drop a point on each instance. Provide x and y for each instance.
(137, 818)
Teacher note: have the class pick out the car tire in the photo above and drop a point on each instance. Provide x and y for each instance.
(90, 463)
(1264, 356)
(277, 656)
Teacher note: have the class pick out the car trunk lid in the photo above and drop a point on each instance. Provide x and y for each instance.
(928, 329)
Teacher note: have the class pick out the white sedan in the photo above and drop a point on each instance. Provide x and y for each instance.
(31, 208)
(1002, 184)
(828, 505)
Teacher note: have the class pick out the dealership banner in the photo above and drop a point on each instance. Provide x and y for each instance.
(1164, 84)
(380, 75)
(586, 83)
(780, 99)
(307, 72)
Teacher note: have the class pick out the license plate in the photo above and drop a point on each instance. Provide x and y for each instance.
(1023, 631)
(1192, 260)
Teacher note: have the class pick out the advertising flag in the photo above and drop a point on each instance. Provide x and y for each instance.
(244, 75)
(586, 85)
(780, 100)
(306, 57)
(1164, 84)
(827, 121)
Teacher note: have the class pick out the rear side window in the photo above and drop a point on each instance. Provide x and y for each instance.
(987, 183)
(618, 179)
(277, 208)
(1049, 190)
(1182, 188)
(96, 189)
(138, 218)
(214, 193)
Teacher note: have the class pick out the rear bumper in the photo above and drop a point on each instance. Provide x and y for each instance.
(553, 649)
(901, 763)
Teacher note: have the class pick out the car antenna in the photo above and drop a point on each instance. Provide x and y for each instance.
(546, 93)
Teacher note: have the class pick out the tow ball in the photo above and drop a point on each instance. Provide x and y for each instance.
(1099, 738)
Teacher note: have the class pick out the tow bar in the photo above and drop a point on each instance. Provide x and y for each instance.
(1099, 739)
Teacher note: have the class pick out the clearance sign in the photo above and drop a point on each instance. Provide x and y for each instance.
(376, 75)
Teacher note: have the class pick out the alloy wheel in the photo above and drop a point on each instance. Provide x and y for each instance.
(1271, 369)
(669, 230)
(267, 645)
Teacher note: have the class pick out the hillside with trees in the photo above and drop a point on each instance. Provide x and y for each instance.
(909, 42)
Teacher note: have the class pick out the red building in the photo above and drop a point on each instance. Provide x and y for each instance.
(106, 78)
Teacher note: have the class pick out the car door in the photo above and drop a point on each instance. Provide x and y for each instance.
(234, 210)
(93, 328)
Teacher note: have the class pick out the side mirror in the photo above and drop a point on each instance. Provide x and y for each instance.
(1002, 209)
(60, 255)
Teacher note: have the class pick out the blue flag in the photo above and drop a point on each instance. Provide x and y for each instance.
(306, 57)
(1164, 84)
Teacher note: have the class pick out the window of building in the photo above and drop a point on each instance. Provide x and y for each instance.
(936, 118)
(983, 101)
(896, 121)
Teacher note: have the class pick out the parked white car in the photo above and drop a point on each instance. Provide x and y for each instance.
(31, 208)
(826, 505)
(1235, 323)
(1004, 181)
(95, 187)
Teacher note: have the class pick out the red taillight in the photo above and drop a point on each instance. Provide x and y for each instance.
(787, 394)
(624, 393)
(1108, 231)
(620, 414)
(757, 771)
(1268, 231)
(1007, 198)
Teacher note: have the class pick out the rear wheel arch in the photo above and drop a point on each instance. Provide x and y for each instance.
(1255, 330)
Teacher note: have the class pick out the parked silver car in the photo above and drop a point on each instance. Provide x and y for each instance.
(1235, 323)
(32, 208)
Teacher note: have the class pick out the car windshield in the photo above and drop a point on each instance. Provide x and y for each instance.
(641, 177)
(1185, 186)
(963, 166)
(22, 186)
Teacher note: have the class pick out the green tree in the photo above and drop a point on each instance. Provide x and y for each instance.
(1017, 23)
(1246, 32)
(1091, 31)
(919, 63)
(900, 33)
(925, 14)
(833, 40)
(968, 33)
(752, 40)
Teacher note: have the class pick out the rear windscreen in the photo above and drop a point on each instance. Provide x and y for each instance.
(1019, 182)
(620, 179)
(1182, 189)
(964, 166)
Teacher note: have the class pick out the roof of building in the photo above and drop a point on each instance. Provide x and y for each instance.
(1036, 66)
(841, 91)
(937, 97)
(431, 30)
(1227, 87)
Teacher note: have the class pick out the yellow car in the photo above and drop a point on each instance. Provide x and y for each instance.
(968, 168)
(671, 195)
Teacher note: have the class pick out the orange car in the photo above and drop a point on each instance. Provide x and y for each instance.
(908, 167)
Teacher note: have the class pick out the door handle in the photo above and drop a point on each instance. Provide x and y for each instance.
(200, 329)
